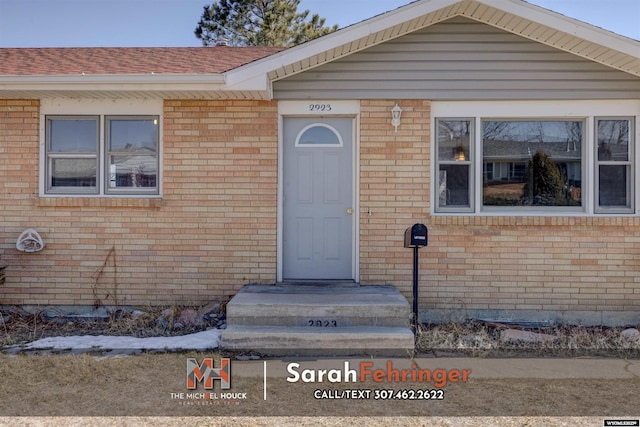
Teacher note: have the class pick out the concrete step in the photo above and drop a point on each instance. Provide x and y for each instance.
(319, 306)
(310, 341)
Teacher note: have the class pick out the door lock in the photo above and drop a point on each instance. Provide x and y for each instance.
(349, 211)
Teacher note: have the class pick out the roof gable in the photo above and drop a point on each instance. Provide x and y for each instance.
(514, 16)
(459, 59)
(231, 72)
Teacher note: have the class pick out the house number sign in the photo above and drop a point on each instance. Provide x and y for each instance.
(319, 107)
(331, 323)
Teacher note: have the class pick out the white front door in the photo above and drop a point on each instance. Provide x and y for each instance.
(318, 211)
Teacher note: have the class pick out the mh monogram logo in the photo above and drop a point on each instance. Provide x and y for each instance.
(205, 372)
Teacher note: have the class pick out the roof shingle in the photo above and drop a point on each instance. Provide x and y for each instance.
(125, 60)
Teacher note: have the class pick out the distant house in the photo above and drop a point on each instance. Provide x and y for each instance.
(174, 175)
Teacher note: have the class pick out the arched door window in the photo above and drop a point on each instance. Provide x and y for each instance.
(318, 135)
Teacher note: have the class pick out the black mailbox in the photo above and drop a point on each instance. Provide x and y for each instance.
(416, 236)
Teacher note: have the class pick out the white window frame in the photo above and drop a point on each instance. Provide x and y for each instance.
(588, 111)
(51, 156)
(102, 108)
(631, 189)
(108, 152)
(470, 163)
(534, 210)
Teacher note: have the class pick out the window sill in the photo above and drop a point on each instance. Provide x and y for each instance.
(101, 202)
(560, 220)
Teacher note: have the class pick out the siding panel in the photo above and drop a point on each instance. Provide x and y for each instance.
(460, 59)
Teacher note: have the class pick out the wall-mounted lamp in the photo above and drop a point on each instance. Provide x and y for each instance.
(396, 113)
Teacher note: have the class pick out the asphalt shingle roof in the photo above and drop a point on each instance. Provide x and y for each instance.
(126, 60)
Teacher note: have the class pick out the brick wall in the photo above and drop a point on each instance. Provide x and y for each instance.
(533, 263)
(19, 160)
(394, 188)
(213, 230)
(215, 227)
(473, 263)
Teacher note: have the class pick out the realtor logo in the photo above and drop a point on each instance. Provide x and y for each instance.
(620, 422)
(206, 373)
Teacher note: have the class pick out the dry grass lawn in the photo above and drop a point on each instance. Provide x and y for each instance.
(47, 390)
(307, 421)
(141, 386)
(478, 339)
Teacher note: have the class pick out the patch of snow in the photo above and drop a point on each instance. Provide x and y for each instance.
(630, 334)
(199, 341)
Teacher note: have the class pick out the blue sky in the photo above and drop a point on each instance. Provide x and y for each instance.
(73, 23)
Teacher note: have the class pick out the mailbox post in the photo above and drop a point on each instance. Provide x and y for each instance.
(415, 237)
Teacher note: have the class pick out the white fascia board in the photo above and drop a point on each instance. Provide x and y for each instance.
(252, 76)
(248, 82)
(120, 82)
(567, 24)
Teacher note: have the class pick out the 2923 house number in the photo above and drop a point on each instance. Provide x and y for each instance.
(318, 323)
(319, 107)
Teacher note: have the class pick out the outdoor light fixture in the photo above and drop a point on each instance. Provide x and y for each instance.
(396, 112)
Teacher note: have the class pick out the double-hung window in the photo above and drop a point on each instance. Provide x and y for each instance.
(72, 154)
(534, 158)
(614, 169)
(101, 155)
(455, 166)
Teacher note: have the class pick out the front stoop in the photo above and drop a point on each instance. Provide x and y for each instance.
(319, 320)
